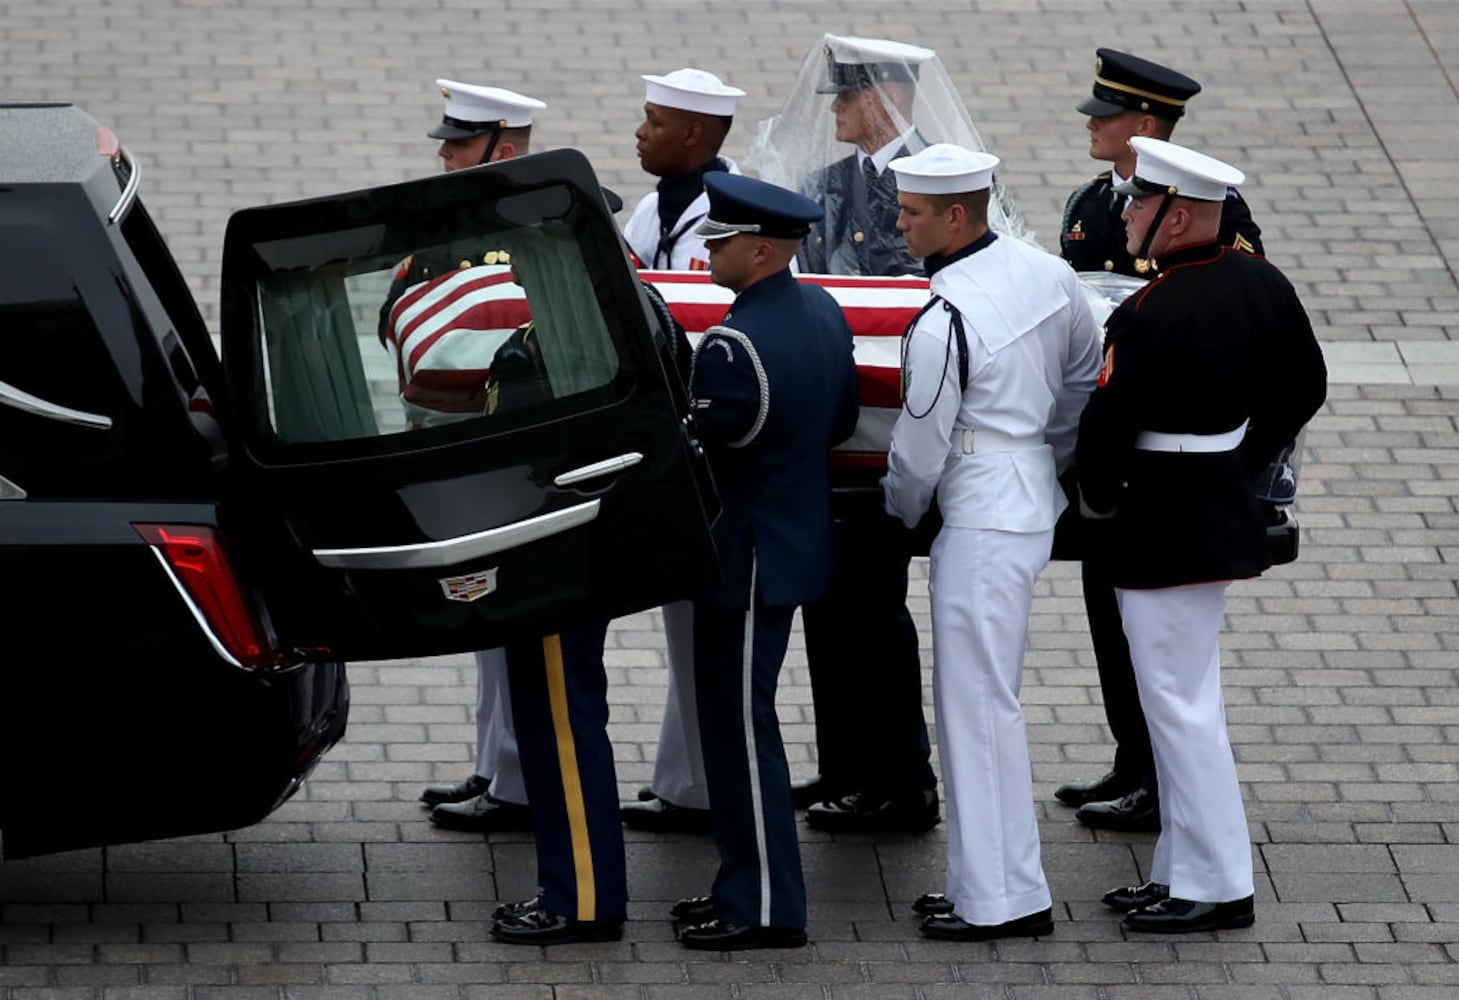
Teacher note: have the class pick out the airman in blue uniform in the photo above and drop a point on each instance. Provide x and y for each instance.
(773, 388)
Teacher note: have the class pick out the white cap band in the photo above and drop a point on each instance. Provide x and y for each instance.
(470, 103)
(1164, 166)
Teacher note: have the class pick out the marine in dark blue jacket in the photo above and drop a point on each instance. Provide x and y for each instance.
(774, 387)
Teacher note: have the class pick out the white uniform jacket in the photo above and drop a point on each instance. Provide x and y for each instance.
(687, 252)
(991, 452)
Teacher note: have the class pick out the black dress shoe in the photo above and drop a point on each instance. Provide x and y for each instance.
(1135, 897)
(434, 795)
(662, 816)
(1139, 811)
(1112, 786)
(1185, 916)
(948, 927)
(694, 910)
(931, 904)
(539, 925)
(518, 908)
(646, 793)
(804, 794)
(716, 935)
(482, 814)
(862, 812)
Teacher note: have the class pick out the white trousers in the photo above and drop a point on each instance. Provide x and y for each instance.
(982, 589)
(679, 763)
(1204, 850)
(496, 733)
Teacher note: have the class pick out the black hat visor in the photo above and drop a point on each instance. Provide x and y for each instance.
(1097, 107)
(460, 128)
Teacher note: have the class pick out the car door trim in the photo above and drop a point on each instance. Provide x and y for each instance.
(454, 551)
(22, 400)
(603, 468)
(129, 190)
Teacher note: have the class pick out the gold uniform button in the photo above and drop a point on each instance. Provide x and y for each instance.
(1109, 265)
(464, 265)
(489, 257)
(858, 237)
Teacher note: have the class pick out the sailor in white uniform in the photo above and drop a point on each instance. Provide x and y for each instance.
(687, 114)
(996, 369)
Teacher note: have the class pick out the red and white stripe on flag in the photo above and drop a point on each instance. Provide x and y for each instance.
(445, 331)
(878, 310)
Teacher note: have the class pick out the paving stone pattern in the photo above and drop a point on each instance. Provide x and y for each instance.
(1340, 669)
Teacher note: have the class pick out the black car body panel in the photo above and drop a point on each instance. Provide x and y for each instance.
(132, 466)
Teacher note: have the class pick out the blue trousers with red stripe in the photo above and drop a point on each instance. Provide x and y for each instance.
(560, 704)
(760, 882)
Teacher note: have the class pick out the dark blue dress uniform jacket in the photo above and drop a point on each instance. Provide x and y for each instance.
(1218, 338)
(769, 428)
(859, 232)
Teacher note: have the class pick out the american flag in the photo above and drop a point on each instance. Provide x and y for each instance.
(445, 332)
(878, 310)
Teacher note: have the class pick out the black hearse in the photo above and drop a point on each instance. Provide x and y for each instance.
(190, 547)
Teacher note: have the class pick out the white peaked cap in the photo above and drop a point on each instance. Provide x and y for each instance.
(851, 49)
(1162, 167)
(692, 90)
(469, 103)
(943, 168)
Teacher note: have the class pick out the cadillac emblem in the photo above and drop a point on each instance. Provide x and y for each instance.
(471, 587)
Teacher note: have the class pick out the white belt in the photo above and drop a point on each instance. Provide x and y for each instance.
(1156, 441)
(969, 440)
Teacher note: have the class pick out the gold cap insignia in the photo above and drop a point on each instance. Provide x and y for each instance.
(1098, 63)
(445, 93)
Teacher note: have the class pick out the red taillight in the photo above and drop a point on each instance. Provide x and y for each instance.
(196, 556)
(107, 143)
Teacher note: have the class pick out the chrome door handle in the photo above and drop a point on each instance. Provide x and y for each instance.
(453, 551)
(603, 468)
(22, 400)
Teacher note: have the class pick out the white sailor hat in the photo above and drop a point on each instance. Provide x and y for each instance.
(1164, 168)
(472, 110)
(855, 63)
(944, 168)
(692, 90)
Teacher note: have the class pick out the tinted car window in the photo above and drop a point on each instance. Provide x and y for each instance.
(497, 321)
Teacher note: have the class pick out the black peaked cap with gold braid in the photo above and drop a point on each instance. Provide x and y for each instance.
(1123, 82)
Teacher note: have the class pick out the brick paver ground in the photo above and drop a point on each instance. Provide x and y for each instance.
(1340, 669)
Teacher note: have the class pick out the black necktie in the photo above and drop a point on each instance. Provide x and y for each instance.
(868, 170)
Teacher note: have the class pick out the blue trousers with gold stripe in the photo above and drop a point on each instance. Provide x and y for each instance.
(560, 704)
(737, 658)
